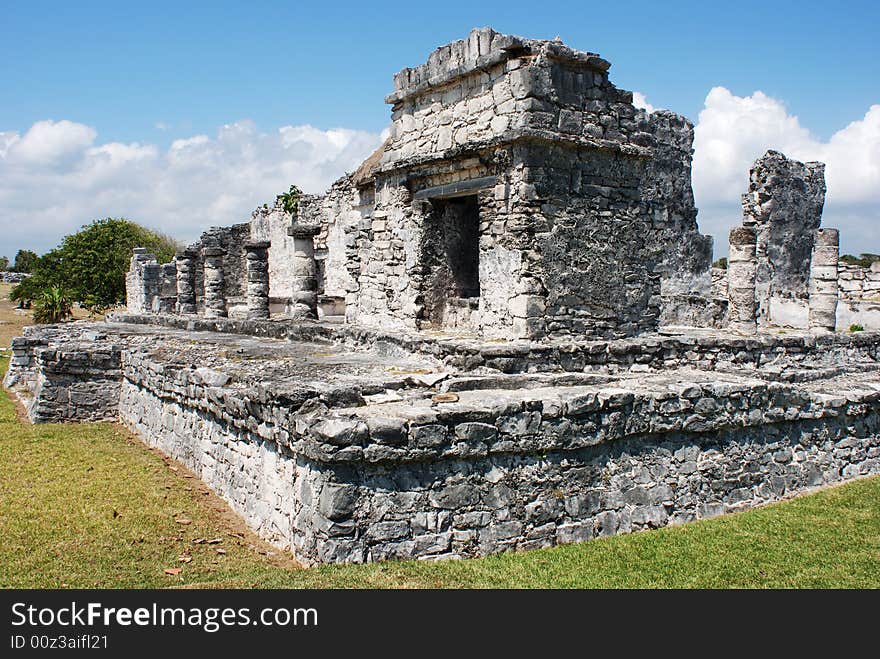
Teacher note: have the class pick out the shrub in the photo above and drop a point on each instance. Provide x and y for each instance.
(52, 306)
(721, 263)
(856, 328)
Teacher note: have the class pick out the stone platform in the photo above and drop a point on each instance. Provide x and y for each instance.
(344, 444)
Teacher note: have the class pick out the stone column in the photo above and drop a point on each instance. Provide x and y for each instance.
(304, 301)
(215, 294)
(142, 281)
(257, 254)
(741, 268)
(186, 292)
(823, 280)
(167, 301)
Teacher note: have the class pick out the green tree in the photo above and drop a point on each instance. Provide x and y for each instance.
(90, 265)
(4, 263)
(97, 257)
(25, 260)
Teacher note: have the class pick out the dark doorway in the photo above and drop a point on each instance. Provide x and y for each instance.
(451, 253)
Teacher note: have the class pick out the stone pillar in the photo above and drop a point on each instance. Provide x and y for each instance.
(215, 294)
(186, 292)
(304, 300)
(257, 254)
(142, 281)
(823, 280)
(167, 300)
(741, 268)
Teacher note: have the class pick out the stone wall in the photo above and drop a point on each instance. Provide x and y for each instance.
(859, 302)
(719, 283)
(584, 202)
(692, 310)
(271, 223)
(784, 206)
(241, 453)
(342, 212)
(501, 470)
(857, 283)
(667, 190)
(232, 240)
(142, 282)
(635, 438)
(534, 471)
(66, 380)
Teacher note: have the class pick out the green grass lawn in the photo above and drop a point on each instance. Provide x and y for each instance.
(89, 506)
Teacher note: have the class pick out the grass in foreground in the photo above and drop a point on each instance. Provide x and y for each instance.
(90, 506)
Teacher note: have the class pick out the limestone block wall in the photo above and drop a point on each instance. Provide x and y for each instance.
(516, 470)
(386, 247)
(515, 463)
(68, 380)
(719, 282)
(857, 283)
(22, 371)
(535, 472)
(859, 302)
(234, 266)
(784, 206)
(475, 89)
(684, 310)
(599, 259)
(143, 282)
(241, 450)
(341, 212)
(667, 191)
(396, 259)
(271, 223)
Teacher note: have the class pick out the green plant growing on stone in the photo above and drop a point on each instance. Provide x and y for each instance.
(53, 306)
(856, 328)
(290, 200)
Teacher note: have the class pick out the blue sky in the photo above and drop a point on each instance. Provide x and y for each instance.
(152, 73)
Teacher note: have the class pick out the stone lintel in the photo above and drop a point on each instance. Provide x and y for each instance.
(457, 189)
(298, 230)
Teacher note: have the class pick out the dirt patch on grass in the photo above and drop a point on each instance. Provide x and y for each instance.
(223, 518)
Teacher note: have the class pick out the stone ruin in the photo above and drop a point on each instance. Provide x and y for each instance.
(503, 331)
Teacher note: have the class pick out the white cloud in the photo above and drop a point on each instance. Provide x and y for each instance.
(640, 101)
(733, 131)
(49, 143)
(57, 177)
